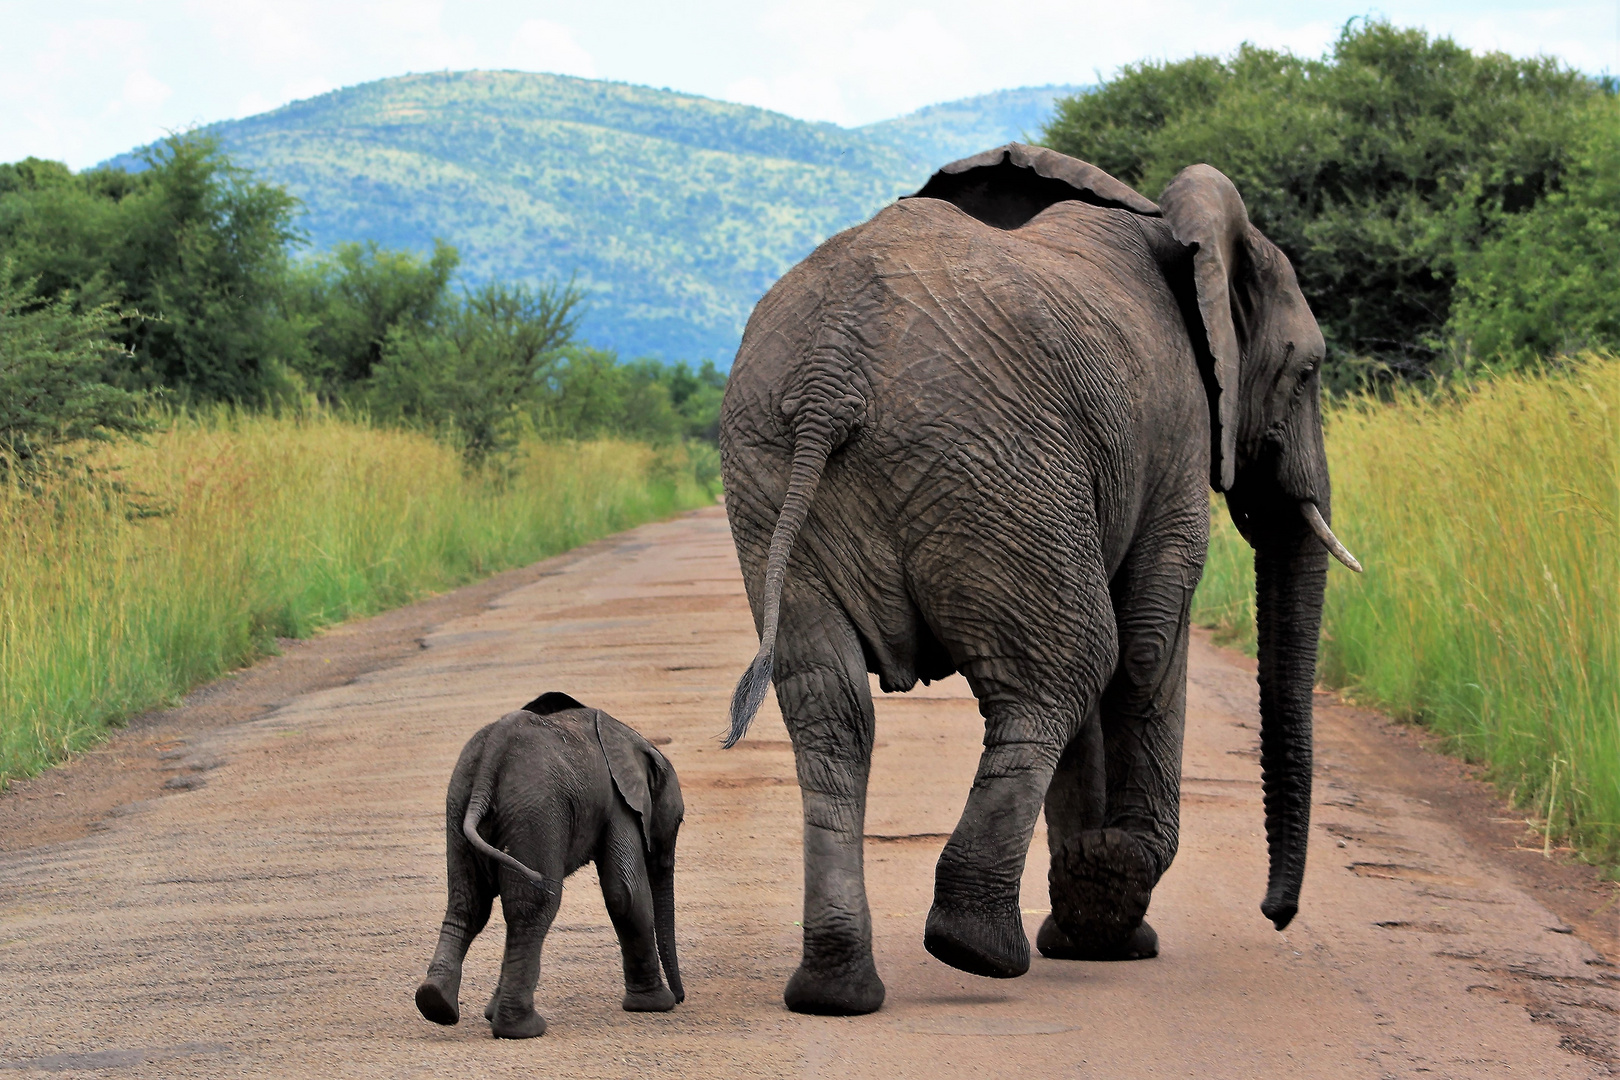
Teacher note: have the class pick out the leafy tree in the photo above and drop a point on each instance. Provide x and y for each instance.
(349, 300)
(192, 243)
(696, 396)
(1548, 280)
(591, 393)
(477, 371)
(1377, 168)
(54, 362)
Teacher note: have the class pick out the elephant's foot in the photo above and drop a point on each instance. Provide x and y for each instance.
(489, 1010)
(980, 941)
(1101, 883)
(852, 989)
(436, 998)
(525, 1025)
(660, 999)
(1054, 944)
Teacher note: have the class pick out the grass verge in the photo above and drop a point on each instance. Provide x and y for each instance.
(1487, 522)
(271, 527)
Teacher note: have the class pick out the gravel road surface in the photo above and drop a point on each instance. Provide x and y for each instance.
(257, 894)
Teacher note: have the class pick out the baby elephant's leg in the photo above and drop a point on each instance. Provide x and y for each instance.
(528, 913)
(622, 866)
(472, 894)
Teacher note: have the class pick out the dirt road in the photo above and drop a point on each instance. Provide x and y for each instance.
(273, 911)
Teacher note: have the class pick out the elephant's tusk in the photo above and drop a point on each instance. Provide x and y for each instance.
(1325, 534)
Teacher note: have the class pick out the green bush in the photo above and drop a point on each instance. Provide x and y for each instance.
(350, 299)
(591, 393)
(1547, 281)
(54, 363)
(478, 370)
(1380, 169)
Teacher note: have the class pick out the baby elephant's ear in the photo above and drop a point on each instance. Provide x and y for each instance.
(626, 754)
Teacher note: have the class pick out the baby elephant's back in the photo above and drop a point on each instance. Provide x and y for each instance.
(553, 780)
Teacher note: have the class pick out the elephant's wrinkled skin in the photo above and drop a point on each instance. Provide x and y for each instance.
(977, 434)
(535, 796)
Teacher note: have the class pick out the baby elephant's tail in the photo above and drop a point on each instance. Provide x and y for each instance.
(478, 805)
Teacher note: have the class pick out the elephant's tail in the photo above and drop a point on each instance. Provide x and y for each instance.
(825, 406)
(483, 797)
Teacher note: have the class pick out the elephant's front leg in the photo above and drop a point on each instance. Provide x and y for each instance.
(826, 702)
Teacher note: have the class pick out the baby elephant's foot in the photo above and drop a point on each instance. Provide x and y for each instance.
(530, 1025)
(436, 999)
(661, 999)
(1054, 944)
(1101, 883)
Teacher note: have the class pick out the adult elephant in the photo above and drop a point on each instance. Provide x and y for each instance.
(977, 434)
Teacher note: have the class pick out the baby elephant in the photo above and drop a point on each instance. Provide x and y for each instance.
(535, 796)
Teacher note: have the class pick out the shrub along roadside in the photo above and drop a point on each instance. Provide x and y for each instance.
(273, 527)
(1487, 521)
(53, 394)
(1388, 170)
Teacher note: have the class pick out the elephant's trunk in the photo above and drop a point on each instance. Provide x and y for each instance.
(663, 892)
(1290, 576)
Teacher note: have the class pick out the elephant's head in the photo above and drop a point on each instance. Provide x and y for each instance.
(1264, 352)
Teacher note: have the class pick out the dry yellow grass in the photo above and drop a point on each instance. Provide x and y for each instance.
(270, 527)
(1487, 522)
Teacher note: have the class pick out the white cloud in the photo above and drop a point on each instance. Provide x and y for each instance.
(542, 45)
(144, 91)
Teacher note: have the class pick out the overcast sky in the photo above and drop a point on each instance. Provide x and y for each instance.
(81, 80)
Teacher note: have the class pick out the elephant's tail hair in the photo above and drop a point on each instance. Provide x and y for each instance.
(811, 448)
(482, 798)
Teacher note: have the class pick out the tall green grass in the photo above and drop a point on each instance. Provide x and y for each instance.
(271, 527)
(1487, 521)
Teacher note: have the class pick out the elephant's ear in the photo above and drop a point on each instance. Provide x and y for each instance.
(1007, 186)
(627, 758)
(1206, 213)
(551, 702)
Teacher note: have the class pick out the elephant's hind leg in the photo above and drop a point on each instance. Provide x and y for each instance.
(472, 894)
(826, 702)
(528, 914)
(1104, 871)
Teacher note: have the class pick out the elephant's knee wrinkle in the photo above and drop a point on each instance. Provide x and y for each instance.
(1145, 658)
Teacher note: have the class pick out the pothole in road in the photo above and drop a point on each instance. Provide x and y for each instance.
(1398, 872)
(1420, 927)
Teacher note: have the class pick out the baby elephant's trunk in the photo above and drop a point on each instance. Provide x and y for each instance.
(663, 893)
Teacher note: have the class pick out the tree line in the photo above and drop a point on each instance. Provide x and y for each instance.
(182, 281)
(1446, 211)
(1443, 209)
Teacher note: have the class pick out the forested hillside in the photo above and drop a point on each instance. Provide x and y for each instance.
(676, 212)
(938, 134)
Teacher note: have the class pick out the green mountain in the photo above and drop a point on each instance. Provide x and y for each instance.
(939, 134)
(674, 212)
